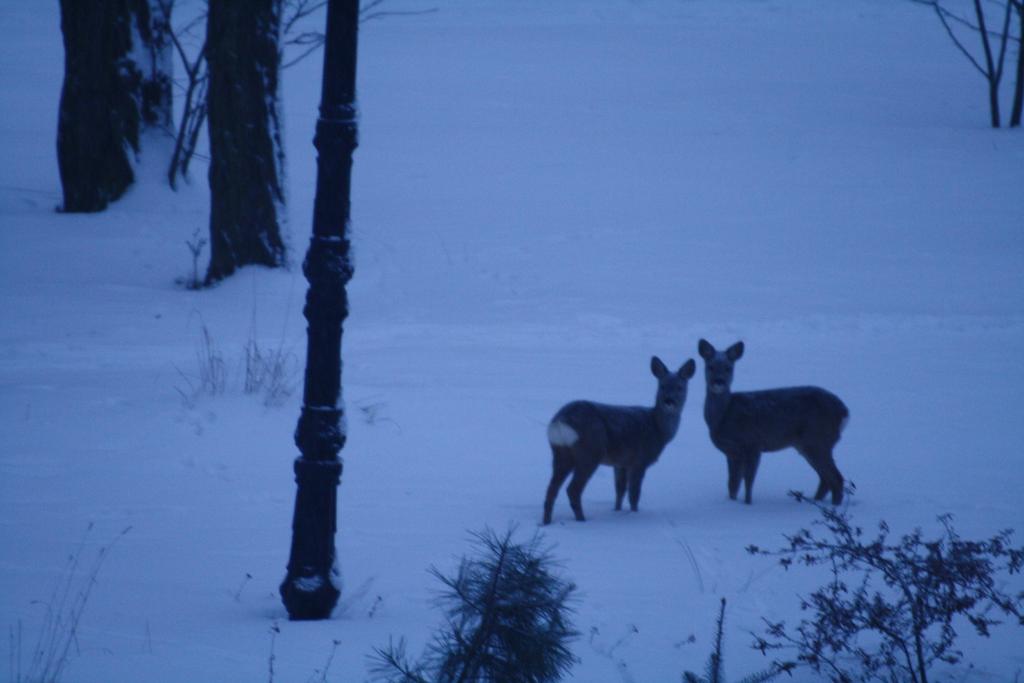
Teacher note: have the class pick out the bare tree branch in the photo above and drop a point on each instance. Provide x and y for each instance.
(957, 19)
(1002, 45)
(313, 47)
(193, 113)
(312, 40)
(992, 69)
(299, 10)
(945, 16)
(980, 13)
(364, 17)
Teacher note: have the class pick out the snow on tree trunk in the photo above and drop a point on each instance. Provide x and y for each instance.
(153, 58)
(98, 119)
(117, 79)
(246, 155)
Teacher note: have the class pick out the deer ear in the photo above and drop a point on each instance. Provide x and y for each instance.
(658, 368)
(734, 352)
(689, 367)
(705, 349)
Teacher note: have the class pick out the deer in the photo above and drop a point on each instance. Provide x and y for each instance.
(584, 434)
(745, 424)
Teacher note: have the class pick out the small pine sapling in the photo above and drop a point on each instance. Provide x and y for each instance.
(506, 619)
(715, 669)
(889, 611)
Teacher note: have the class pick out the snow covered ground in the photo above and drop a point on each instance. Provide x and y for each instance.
(546, 194)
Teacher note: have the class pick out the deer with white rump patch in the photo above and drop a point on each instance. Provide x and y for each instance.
(584, 435)
(745, 424)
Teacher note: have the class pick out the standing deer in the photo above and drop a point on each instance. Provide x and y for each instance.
(584, 435)
(745, 424)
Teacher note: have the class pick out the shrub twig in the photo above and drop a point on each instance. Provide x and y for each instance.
(908, 592)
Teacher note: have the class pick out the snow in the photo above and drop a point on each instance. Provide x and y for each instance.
(545, 195)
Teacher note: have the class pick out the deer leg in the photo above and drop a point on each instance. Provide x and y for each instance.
(575, 490)
(620, 486)
(561, 466)
(636, 479)
(816, 461)
(823, 488)
(750, 463)
(836, 481)
(734, 475)
(829, 478)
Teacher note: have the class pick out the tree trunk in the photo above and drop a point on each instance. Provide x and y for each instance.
(992, 73)
(1018, 92)
(993, 101)
(98, 119)
(246, 156)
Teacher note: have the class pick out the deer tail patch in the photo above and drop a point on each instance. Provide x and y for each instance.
(561, 434)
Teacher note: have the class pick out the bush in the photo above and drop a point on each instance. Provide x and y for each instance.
(891, 606)
(506, 619)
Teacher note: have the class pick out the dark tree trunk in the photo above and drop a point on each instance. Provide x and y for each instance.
(992, 73)
(1018, 92)
(993, 102)
(246, 158)
(98, 120)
